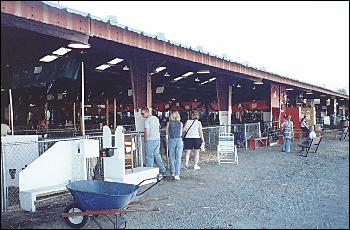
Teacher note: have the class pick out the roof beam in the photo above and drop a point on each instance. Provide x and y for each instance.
(61, 18)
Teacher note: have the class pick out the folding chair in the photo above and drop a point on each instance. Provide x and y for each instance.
(227, 150)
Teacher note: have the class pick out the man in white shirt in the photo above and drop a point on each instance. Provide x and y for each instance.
(312, 133)
(152, 140)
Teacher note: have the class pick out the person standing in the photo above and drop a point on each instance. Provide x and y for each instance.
(152, 140)
(287, 134)
(304, 127)
(193, 138)
(175, 143)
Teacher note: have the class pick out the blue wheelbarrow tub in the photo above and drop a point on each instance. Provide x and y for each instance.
(100, 195)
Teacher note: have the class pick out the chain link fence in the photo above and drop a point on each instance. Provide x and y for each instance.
(17, 156)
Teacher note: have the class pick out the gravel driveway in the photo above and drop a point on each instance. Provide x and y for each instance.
(268, 189)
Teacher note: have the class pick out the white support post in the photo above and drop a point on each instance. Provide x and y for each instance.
(82, 120)
(11, 111)
(149, 92)
(115, 113)
(74, 122)
(107, 112)
(229, 112)
(245, 136)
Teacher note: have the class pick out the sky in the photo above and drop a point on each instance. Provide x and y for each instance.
(306, 41)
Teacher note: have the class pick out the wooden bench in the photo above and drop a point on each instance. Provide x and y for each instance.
(28, 198)
(253, 141)
(313, 142)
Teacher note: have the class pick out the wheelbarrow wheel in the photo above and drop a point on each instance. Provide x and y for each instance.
(75, 221)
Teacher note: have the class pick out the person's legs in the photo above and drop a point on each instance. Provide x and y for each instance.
(178, 155)
(196, 158)
(149, 153)
(157, 156)
(288, 141)
(284, 145)
(187, 156)
(172, 153)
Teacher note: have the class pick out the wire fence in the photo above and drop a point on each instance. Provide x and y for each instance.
(16, 156)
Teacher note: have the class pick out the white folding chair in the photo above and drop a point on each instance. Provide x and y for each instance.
(227, 151)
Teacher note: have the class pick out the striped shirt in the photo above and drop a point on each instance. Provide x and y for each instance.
(288, 129)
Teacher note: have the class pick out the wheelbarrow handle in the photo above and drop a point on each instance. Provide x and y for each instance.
(107, 211)
(149, 200)
(157, 177)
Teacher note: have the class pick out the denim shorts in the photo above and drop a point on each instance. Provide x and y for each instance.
(192, 143)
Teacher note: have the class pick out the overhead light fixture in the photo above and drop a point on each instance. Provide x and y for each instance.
(197, 79)
(187, 74)
(204, 82)
(212, 79)
(342, 99)
(166, 74)
(308, 92)
(239, 86)
(160, 89)
(254, 87)
(48, 58)
(203, 71)
(126, 68)
(161, 68)
(79, 45)
(103, 67)
(115, 61)
(178, 78)
(258, 82)
(322, 95)
(289, 89)
(61, 51)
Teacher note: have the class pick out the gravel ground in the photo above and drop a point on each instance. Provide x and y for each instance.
(268, 189)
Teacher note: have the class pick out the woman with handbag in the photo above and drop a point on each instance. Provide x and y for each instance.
(193, 138)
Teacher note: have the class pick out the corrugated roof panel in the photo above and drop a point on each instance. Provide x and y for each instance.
(70, 10)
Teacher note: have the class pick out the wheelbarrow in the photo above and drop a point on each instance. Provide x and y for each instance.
(95, 197)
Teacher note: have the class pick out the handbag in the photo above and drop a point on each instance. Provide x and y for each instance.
(183, 138)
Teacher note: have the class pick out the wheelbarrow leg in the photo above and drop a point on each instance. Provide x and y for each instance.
(119, 223)
(98, 223)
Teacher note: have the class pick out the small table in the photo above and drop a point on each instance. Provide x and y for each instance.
(253, 141)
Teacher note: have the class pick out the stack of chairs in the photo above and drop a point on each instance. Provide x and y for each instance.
(227, 150)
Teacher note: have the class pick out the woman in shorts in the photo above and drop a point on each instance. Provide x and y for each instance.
(193, 138)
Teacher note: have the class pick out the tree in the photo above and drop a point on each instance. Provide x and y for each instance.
(342, 91)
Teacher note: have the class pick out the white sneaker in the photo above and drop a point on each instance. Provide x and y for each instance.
(177, 178)
(196, 167)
